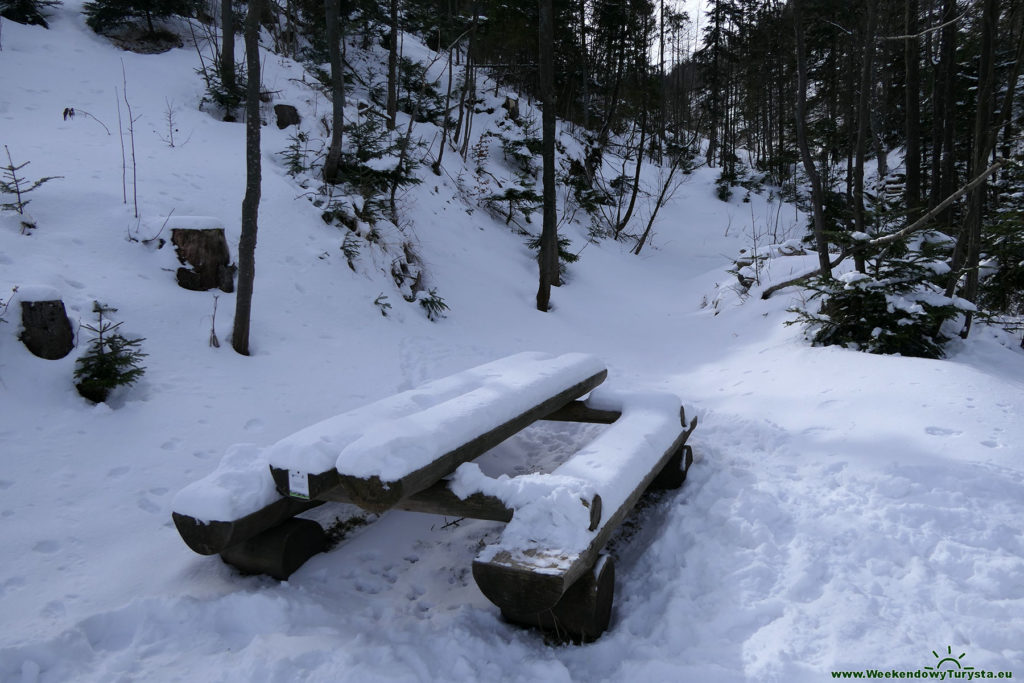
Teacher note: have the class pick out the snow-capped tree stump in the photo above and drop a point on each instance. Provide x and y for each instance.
(47, 330)
(206, 251)
(287, 115)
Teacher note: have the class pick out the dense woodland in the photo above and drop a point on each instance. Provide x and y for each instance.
(895, 126)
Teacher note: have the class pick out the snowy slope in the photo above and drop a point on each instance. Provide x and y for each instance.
(844, 511)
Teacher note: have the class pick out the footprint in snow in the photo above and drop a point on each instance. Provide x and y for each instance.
(53, 609)
(46, 547)
(119, 471)
(942, 431)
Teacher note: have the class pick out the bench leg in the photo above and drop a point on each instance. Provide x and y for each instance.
(673, 474)
(584, 611)
(279, 551)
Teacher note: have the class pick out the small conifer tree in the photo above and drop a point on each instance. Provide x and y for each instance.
(894, 308)
(13, 184)
(111, 361)
(29, 12)
(105, 15)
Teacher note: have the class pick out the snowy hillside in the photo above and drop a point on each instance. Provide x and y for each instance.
(844, 511)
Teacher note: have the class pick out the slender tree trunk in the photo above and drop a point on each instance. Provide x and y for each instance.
(333, 161)
(621, 224)
(947, 176)
(392, 105)
(584, 56)
(227, 53)
(468, 86)
(913, 106)
(821, 242)
(436, 166)
(969, 244)
(662, 90)
(251, 201)
(549, 234)
(866, 83)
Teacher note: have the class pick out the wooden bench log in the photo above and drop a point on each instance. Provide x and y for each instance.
(533, 579)
(280, 551)
(579, 411)
(582, 614)
(212, 537)
(673, 474)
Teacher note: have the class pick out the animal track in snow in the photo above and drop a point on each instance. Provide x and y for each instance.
(46, 547)
(942, 431)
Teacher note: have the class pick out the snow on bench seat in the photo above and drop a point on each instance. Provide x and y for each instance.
(460, 405)
(548, 544)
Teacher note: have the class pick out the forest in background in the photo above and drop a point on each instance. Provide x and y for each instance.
(895, 126)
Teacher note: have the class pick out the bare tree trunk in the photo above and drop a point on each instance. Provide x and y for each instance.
(662, 90)
(549, 234)
(436, 166)
(817, 198)
(227, 53)
(620, 225)
(333, 161)
(251, 201)
(946, 180)
(967, 253)
(392, 105)
(913, 106)
(663, 195)
(866, 83)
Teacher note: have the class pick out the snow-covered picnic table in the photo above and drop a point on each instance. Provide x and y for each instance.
(413, 451)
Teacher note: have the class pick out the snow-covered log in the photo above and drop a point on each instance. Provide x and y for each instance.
(542, 553)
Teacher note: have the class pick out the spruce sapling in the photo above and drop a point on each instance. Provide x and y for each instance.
(111, 361)
(12, 183)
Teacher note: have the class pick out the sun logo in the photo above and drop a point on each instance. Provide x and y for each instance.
(950, 660)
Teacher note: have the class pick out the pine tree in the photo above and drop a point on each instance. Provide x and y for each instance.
(111, 361)
(105, 15)
(29, 12)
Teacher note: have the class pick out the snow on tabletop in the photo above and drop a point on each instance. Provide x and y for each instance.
(548, 513)
(239, 486)
(504, 389)
(317, 448)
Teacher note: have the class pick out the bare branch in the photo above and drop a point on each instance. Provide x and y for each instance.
(933, 29)
(919, 224)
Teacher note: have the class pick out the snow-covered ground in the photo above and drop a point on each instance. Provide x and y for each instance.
(844, 511)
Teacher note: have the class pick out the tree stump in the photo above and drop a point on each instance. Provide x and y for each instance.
(511, 105)
(47, 330)
(206, 251)
(287, 115)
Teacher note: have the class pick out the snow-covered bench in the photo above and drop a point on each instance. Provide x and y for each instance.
(400, 451)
